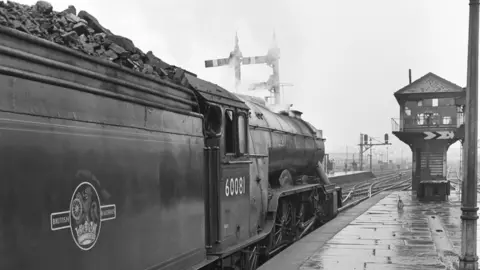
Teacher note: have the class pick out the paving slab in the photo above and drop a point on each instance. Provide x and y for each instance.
(377, 235)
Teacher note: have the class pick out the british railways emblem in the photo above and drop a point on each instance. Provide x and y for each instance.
(85, 217)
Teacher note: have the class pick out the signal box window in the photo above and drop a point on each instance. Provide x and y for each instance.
(408, 112)
(435, 119)
(435, 102)
(229, 132)
(242, 134)
(447, 120)
(420, 119)
(428, 118)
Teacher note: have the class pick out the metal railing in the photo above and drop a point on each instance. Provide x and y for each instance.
(395, 124)
(414, 124)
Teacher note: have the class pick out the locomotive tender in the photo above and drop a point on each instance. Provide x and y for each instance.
(106, 168)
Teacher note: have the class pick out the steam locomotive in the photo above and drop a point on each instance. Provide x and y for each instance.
(106, 168)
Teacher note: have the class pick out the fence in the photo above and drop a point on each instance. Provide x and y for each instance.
(399, 125)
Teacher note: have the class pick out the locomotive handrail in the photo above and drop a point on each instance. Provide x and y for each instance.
(280, 131)
(88, 73)
(93, 90)
(257, 156)
(238, 162)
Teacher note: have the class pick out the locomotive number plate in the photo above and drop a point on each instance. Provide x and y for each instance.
(235, 186)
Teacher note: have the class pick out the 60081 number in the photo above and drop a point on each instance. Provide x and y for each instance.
(235, 186)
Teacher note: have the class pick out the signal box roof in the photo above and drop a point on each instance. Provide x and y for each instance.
(214, 93)
(430, 85)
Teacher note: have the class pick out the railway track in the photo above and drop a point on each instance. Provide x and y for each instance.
(366, 188)
(389, 172)
(359, 192)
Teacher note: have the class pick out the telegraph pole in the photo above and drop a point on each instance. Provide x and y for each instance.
(468, 255)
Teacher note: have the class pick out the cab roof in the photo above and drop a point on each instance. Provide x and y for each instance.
(214, 93)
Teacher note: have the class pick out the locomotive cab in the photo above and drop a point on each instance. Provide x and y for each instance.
(227, 189)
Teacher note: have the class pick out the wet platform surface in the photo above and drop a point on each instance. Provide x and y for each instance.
(378, 235)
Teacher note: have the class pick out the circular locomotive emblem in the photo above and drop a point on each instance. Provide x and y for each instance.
(85, 222)
(84, 216)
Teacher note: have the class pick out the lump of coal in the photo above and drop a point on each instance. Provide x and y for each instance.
(93, 22)
(44, 7)
(126, 43)
(83, 33)
(71, 9)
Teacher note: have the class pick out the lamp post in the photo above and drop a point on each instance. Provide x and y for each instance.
(468, 255)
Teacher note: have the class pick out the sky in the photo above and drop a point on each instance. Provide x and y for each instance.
(345, 59)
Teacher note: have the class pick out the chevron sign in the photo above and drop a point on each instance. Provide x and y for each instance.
(438, 135)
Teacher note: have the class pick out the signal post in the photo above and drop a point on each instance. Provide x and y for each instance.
(366, 144)
(236, 59)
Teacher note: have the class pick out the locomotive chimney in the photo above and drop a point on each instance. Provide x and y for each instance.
(296, 114)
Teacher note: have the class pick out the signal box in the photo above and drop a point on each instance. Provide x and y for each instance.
(431, 119)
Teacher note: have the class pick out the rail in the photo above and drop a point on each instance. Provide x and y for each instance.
(371, 187)
(366, 187)
(418, 124)
(403, 185)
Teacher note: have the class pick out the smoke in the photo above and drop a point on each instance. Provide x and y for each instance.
(245, 89)
(220, 47)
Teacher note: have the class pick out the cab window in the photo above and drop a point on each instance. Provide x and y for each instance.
(213, 121)
(242, 134)
(229, 132)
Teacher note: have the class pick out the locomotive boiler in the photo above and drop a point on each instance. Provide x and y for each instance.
(294, 146)
(104, 167)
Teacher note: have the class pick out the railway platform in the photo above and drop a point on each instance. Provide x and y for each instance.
(349, 177)
(376, 234)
